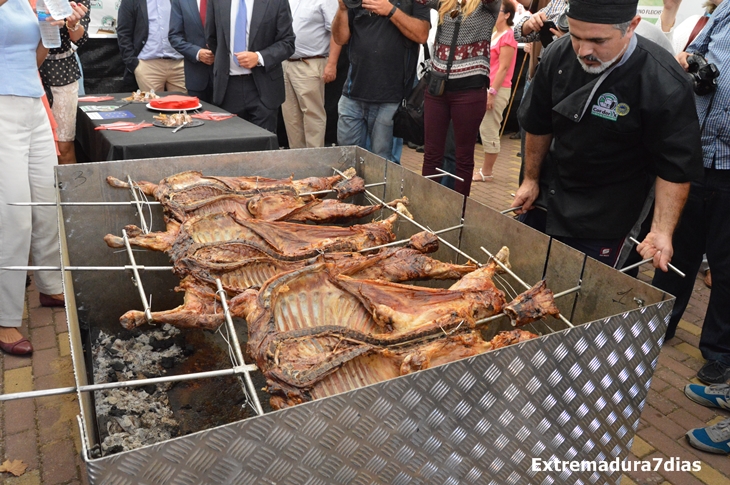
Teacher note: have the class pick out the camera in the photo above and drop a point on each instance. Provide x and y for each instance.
(703, 75)
(352, 3)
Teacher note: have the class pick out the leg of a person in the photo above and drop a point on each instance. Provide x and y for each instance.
(16, 120)
(205, 95)
(255, 111)
(449, 158)
(689, 243)
(310, 89)
(44, 238)
(467, 111)
(715, 338)
(436, 120)
(381, 128)
(65, 101)
(352, 127)
(175, 75)
(489, 130)
(82, 91)
(397, 149)
(151, 75)
(233, 99)
(291, 111)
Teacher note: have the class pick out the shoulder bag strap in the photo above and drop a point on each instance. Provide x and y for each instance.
(452, 50)
(698, 28)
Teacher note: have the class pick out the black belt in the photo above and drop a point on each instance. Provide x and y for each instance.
(305, 59)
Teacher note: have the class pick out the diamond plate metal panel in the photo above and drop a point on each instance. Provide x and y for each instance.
(572, 395)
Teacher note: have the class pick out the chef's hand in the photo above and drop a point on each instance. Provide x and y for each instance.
(378, 7)
(659, 247)
(206, 56)
(330, 72)
(247, 59)
(526, 196)
(682, 58)
(534, 23)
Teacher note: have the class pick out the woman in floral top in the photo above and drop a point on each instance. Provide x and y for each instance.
(60, 73)
(465, 99)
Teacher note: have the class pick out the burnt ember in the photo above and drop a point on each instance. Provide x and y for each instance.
(129, 418)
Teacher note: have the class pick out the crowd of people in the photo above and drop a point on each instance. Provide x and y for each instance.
(618, 141)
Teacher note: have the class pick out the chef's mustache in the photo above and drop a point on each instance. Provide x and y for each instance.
(590, 58)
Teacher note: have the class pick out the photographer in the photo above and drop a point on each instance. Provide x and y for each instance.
(704, 223)
(383, 49)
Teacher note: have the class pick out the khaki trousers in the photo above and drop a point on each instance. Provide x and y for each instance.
(492, 122)
(304, 115)
(161, 75)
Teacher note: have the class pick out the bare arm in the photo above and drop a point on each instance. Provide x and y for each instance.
(40, 54)
(505, 60)
(536, 149)
(330, 70)
(341, 26)
(669, 14)
(411, 27)
(668, 204)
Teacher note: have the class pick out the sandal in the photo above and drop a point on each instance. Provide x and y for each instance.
(485, 178)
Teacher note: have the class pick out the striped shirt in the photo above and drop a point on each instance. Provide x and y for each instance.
(471, 55)
(714, 112)
(552, 11)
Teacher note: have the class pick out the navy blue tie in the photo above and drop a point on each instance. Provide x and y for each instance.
(239, 39)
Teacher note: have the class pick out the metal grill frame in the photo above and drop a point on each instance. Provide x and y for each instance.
(575, 394)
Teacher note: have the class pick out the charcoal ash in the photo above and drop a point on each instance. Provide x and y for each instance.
(130, 418)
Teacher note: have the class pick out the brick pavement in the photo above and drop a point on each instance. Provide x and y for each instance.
(44, 434)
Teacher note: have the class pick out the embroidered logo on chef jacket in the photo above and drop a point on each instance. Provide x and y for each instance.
(605, 252)
(606, 107)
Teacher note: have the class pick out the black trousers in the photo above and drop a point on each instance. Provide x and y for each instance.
(242, 99)
(704, 227)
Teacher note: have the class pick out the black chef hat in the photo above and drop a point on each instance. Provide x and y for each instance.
(602, 11)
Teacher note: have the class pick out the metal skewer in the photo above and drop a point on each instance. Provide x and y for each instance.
(443, 173)
(137, 279)
(670, 265)
(239, 361)
(138, 203)
(86, 268)
(403, 241)
(84, 204)
(319, 192)
(519, 280)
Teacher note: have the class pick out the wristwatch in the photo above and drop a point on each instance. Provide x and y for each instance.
(75, 27)
(492, 91)
(392, 12)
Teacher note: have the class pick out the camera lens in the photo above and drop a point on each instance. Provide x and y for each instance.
(352, 3)
(563, 23)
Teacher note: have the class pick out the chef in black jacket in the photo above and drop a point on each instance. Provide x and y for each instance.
(607, 115)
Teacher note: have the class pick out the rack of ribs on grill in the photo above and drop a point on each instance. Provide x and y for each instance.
(314, 332)
(391, 264)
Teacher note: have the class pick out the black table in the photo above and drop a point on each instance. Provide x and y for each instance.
(227, 136)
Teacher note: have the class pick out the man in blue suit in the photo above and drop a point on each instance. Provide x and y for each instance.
(187, 36)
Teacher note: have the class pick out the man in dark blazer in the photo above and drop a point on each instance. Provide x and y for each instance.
(142, 27)
(250, 83)
(187, 36)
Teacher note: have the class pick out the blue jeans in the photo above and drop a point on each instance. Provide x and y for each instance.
(359, 120)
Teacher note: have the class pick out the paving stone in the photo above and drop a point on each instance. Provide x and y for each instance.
(16, 361)
(64, 346)
(59, 463)
(22, 446)
(671, 351)
(688, 337)
(691, 351)
(660, 403)
(672, 378)
(682, 401)
(689, 327)
(43, 338)
(18, 380)
(45, 362)
(686, 420)
(641, 448)
(40, 317)
(659, 421)
(19, 416)
(710, 476)
(51, 426)
(30, 477)
(677, 367)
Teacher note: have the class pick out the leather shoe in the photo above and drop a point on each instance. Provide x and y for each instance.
(49, 301)
(19, 347)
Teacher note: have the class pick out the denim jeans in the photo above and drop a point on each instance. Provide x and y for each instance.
(359, 120)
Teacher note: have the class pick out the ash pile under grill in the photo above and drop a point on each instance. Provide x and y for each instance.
(133, 417)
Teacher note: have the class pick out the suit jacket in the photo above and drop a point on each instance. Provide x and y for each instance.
(271, 34)
(132, 31)
(187, 36)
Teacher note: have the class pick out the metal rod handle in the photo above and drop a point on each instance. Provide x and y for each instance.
(319, 192)
(85, 268)
(443, 173)
(138, 203)
(237, 347)
(670, 265)
(403, 241)
(137, 279)
(84, 204)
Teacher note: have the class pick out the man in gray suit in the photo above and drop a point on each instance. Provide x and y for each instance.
(250, 39)
(187, 36)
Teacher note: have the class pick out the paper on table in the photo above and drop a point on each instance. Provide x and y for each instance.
(124, 126)
(95, 99)
(212, 116)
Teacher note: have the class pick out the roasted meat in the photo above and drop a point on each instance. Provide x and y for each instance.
(532, 305)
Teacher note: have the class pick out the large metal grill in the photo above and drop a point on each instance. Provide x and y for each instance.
(573, 394)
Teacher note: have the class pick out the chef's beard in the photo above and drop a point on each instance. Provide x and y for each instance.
(603, 66)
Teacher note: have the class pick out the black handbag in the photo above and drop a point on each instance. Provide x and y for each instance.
(437, 81)
(408, 118)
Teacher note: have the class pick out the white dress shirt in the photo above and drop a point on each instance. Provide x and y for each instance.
(235, 69)
(312, 24)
